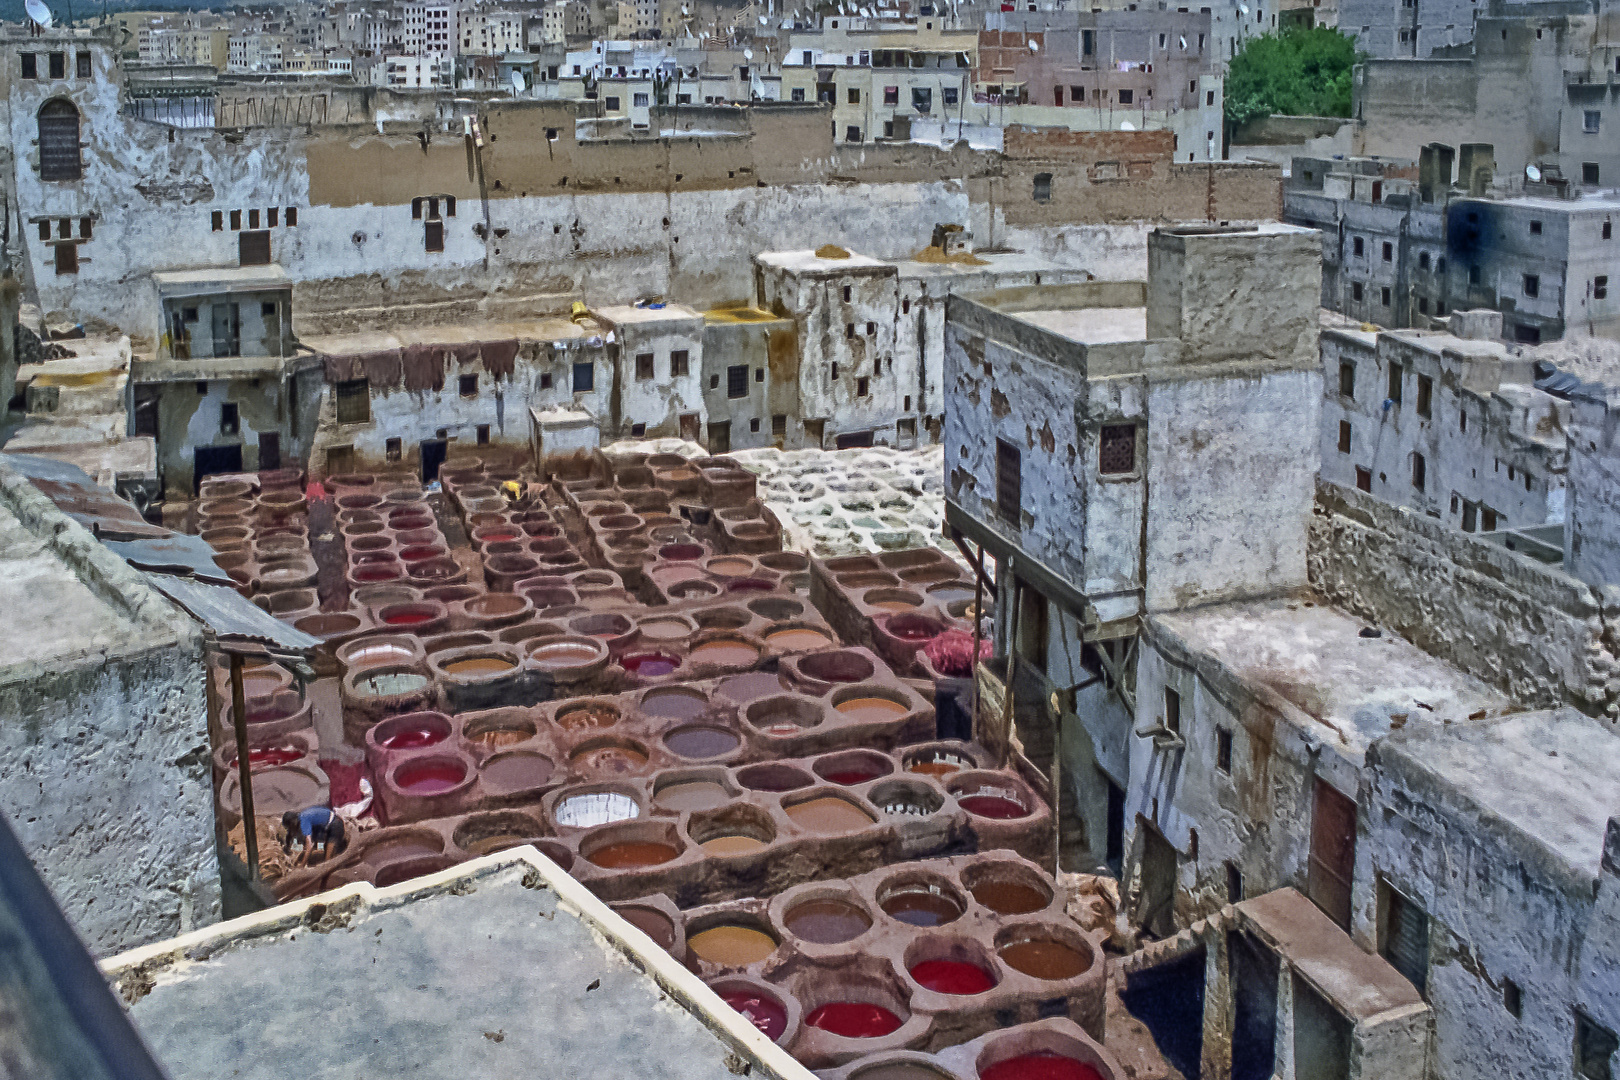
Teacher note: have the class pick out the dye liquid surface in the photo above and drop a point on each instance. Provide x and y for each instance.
(1045, 959)
(692, 795)
(701, 742)
(1010, 897)
(997, 807)
(872, 709)
(675, 704)
(919, 907)
(752, 686)
(629, 855)
(412, 737)
(827, 922)
(854, 1020)
(797, 640)
(736, 844)
(430, 779)
(764, 1013)
(730, 945)
(1041, 1066)
(952, 977)
(829, 815)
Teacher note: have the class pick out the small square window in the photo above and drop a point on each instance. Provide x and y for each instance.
(759, 374)
(1358, 247)
(1223, 750)
(679, 363)
(67, 258)
(468, 385)
(236, 220)
(483, 434)
(230, 418)
(1591, 121)
(30, 66)
(1172, 709)
(1116, 454)
(353, 401)
(584, 378)
(292, 216)
(1532, 284)
(753, 425)
(58, 66)
(714, 382)
(218, 220)
(1389, 251)
(644, 365)
(272, 217)
(394, 449)
(1535, 228)
(1355, 291)
(1589, 173)
(433, 235)
(1383, 296)
(64, 228)
(863, 385)
(1600, 287)
(737, 381)
(1425, 394)
(1420, 469)
(847, 292)
(545, 380)
(268, 310)
(253, 219)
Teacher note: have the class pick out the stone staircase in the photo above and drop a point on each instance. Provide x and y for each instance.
(1179, 945)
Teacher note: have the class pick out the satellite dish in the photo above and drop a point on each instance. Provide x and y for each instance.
(38, 12)
(1531, 173)
(748, 54)
(762, 20)
(1183, 43)
(517, 82)
(1034, 47)
(1126, 125)
(1243, 8)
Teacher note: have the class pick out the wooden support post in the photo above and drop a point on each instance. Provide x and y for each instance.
(244, 768)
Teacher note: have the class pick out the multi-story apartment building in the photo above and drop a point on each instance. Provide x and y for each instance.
(428, 28)
(489, 31)
(194, 39)
(872, 75)
(559, 21)
(1400, 251)
(256, 50)
(418, 72)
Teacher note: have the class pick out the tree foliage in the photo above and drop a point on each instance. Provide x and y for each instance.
(1298, 72)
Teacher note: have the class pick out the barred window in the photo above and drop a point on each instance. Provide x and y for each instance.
(1118, 451)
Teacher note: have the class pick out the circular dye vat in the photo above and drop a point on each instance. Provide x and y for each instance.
(650, 665)
(478, 667)
(387, 683)
(381, 573)
(996, 807)
(731, 566)
(517, 771)
(701, 741)
(766, 1014)
(827, 922)
(691, 795)
(263, 681)
(797, 639)
(872, 709)
(496, 536)
(854, 1020)
(750, 585)
(489, 845)
(585, 717)
(664, 629)
(752, 686)
(938, 764)
(725, 653)
(952, 977)
(610, 759)
(558, 655)
(632, 855)
(913, 631)
(429, 777)
(950, 592)
(734, 844)
(494, 738)
(412, 737)
(674, 703)
(680, 552)
(650, 921)
(594, 808)
(899, 1070)
(920, 906)
(732, 945)
(267, 756)
(408, 618)
(1043, 958)
(894, 605)
(773, 777)
(420, 552)
(849, 770)
(1044, 1065)
(829, 814)
(1010, 897)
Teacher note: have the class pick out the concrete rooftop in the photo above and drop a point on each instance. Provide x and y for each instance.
(1092, 326)
(502, 967)
(1552, 777)
(630, 315)
(554, 329)
(1314, 657)
(808, 262)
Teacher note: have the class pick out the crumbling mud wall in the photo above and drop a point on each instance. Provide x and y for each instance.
(1539, 635)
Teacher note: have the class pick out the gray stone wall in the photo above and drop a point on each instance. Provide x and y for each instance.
(1592, 525)
(1537, 634)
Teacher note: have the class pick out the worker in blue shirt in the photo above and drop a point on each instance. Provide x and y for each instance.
(314, 827)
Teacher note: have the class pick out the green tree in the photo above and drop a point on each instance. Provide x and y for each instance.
(1298, 72)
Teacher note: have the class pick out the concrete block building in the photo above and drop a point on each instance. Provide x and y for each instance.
(657, 377)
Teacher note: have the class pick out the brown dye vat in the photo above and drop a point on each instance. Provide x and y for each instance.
(632, 855)
(829, 814)
(752, 686)
(675, 704)
(478, 665)
(1010, 897)
(1043, 958)
(827, 922)
(650, 921)
(586, 717)
(664, 629)
(691, 795)
(517, 771)
(697, 741)
(919, 906)
(488, 845)
(799, 638)
(609, 760)
(872, 709)
(721, 619)
(938, 764)
(731, 945)
(564, 654)
(894, 605)
(731, 567)
(773, 777)
(776, 608)
(736, 844)
(836, 667)
(495, 738)
(726, 653)
(899, 1070)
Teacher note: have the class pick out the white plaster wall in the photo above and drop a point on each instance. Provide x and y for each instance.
(1231, 483)
(659, 401)
(1592, 535)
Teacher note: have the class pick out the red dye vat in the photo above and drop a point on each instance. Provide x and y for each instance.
(496, 537)
(764, 1013)
(650, 664)
(417, 554)
(412, 738)
(855, 1020)
(430, 778)
(270, 755)
(951, 977)
(911, 633)
(850, 777)
(750, 585)
(992, 806)
(376, 573)
(1042, 1066)
(407, 618)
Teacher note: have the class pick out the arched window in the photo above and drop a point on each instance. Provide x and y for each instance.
(59, 141)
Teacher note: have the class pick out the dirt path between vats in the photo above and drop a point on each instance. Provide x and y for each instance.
(1129, 1040)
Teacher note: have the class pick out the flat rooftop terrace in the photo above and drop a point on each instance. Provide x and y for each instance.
(1315, 658)
(498, 968)
(1552, 777)
(1092, 326)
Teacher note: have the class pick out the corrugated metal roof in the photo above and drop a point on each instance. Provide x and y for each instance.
(177, 554)
(85, 501)
(230, 615)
